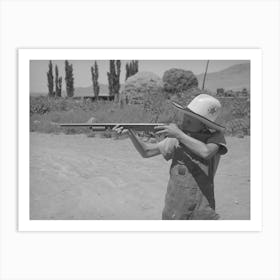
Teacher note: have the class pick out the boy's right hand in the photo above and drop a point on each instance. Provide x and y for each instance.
(120, 130)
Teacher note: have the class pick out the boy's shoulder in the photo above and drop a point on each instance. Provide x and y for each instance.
(208, 134)
(218, 138)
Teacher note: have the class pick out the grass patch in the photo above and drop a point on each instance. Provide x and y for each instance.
(46, 113)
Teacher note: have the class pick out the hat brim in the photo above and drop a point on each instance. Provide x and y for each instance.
(194, 115)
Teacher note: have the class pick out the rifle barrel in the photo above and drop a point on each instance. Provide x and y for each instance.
(104, 126)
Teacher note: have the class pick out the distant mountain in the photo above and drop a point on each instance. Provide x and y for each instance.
(235, 77)
(81, 91)
(87, 91)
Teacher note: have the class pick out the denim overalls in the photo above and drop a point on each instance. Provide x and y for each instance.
(190, 191)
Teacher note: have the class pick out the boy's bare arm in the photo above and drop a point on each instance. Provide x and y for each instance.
(146, 150)
(201, 149)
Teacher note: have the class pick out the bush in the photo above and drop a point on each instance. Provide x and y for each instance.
(139, 86)
(44, 104)
(177, 80)
(39, 105)
(238, 127)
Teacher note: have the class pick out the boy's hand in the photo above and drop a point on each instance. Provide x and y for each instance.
(120, 130)
(170, 130)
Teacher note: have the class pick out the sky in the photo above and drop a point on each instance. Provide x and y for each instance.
(82, 75)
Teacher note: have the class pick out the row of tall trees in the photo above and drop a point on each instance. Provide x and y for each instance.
(131, 68)
(55, 83)
(114, 77)
(114, 85)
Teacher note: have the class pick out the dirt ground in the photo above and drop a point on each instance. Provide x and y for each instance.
(77, 177)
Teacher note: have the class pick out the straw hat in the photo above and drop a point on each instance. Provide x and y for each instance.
(204, 108)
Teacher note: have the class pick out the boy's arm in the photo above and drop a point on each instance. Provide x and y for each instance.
(146, 150)
(205, 151)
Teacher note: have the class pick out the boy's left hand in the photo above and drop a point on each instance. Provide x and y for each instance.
(120, 130)
(171, 130)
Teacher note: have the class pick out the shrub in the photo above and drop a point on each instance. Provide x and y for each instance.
(141, 85)
(39, 105)
(238, 127)
(177, 80)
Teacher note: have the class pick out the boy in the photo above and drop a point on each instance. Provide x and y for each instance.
(195, 150)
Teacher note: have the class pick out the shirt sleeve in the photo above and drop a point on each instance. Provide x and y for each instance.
(167, 147)
(219, 139)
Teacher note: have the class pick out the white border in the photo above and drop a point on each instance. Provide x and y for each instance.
(254, 55)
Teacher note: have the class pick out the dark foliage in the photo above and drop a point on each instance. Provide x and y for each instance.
(94, 77)
(114, 77)
(58, 83)
(131, 68)
(69, 79)
(50, 80)
(177, 80)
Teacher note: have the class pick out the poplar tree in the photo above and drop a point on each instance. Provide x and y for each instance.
(58, 83)
(59, 86)
(94, 77)
(114, 77)
(131, 68)
(50, 80)
(69, 79)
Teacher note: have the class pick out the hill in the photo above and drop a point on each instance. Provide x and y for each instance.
(235, 77)
(80, 91)
(85, 91)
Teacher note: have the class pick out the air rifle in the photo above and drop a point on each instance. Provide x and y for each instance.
(146, 127)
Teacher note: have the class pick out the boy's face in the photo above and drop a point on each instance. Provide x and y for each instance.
(190, 124)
